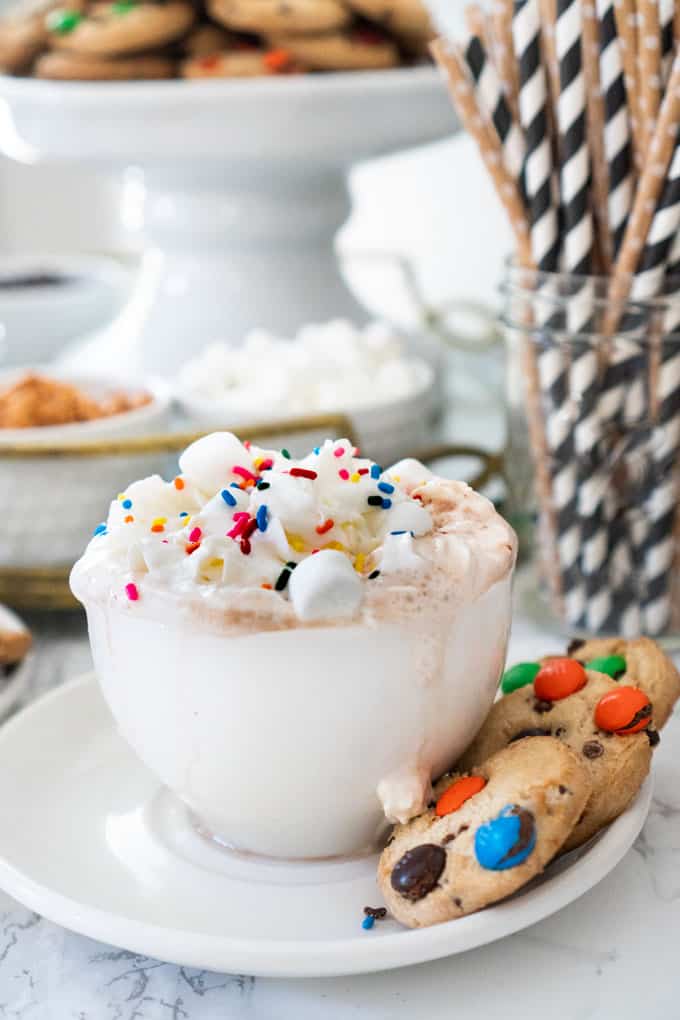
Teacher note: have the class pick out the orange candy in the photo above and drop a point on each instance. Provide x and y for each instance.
(623, 711)
(559, 678)
(458, 793)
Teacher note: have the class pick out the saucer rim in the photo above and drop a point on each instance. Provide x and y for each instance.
(314, 958)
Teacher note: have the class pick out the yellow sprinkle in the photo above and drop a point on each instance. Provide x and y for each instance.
(336, 545)
(216, 563)
(397, 478)
(359, 561)
(158, 521)
(121, 496)
(355, 477)
(296, 543)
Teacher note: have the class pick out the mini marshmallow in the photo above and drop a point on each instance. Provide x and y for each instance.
(325, 585)
(209, 461)
(410, 472)
(398, 554)
(409, 516)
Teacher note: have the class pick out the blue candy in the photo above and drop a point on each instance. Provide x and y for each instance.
(368, 923)
(506, 840)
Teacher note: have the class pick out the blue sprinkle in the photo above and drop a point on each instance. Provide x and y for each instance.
(397, 532)
(376, 471)
(316, 450)
(228, 498)
(100, 529)
(386, 504)
(235, 485)
(385, 487)
(368, 923)
(184, 513)
(262, 518)
(127, 504)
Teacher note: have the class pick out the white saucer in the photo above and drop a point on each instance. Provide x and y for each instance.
(90, 840)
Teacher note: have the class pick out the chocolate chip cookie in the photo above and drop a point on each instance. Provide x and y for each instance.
(359, 49)
(15, 639)
(607, 724)
(488, 834)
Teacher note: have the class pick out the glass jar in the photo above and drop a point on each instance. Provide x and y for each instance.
(593, 451)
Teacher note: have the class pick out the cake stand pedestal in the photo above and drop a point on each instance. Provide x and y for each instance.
(243, 188)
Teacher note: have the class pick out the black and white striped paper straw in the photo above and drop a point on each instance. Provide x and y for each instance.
(617, 137)
(666, 19)
(662, 505)
(578, 411)
(492, 100)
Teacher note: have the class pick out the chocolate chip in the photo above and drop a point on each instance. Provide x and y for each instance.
(574, 646)
(377, 912)
(458, 902)
(542, 706)
(463, 828)
(593, 749)
(653, 737)
(562, 789)
(560, 732)
(449, 839)
(418, 871)
(530, 731)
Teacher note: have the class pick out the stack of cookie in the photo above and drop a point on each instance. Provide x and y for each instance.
(560, 756)
(141, 39)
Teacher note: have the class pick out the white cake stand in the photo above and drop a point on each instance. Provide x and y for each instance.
(244, 186)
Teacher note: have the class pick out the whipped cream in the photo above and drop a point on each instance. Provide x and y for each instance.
(244, 530)
(327, 368)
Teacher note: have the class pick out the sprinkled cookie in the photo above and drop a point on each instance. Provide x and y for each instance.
(64, 66)
(360, 49)
(15, 638)
(249, 63)
(608, 725)
(488, 834)
(121, 27)
(204, 40)
(403, 17)
(268, 16)
(640, 662)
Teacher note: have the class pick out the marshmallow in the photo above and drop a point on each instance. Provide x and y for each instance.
(410, 472)
(398, 554)
(411, 517)
(209, 461)
(325, 585)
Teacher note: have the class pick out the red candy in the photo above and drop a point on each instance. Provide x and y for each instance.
(558, 679)
(623, 711)
(458, 793)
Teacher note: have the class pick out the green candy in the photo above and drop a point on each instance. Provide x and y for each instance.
(613, 665)
(123, 6)
(519, 676)
(63, 21)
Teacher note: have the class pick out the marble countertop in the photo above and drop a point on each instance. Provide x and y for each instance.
(609, 954)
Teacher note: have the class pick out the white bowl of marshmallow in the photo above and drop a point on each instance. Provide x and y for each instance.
(388, 395)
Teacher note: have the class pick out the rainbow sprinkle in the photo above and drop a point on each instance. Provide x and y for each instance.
(244, 473)
(195, 535)
(100, 530)
(227, 497)
(179, 483)
(344, 474)
(376, 471)
(303, 473)
(385, 487)
(262, 518)
(339, 451)
(132, 592)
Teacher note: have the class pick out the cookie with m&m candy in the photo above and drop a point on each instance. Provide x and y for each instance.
(486, 835)
(609, 727)
(639, 662)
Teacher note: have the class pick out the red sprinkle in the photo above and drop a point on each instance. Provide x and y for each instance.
(344, 474)
(362, 471)
(195, 535)
(192, 547)
(303, 473)
(321, 529)
(247, 444)
(132, 592)
(339, 452)
(245, 546)
(250, 527)
(267, 464)
(179, 483)
(244, 473)
(239, 527)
